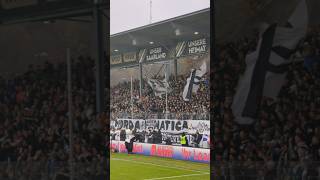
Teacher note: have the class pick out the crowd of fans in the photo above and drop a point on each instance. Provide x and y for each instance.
(285, 137)
(34, 116)
(151, 104)
(150, 136)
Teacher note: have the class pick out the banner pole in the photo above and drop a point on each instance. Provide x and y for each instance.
(70, 113)
(167, 80)
(166, 102)
(131, 99)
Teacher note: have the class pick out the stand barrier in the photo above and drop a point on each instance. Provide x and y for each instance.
(167, 151)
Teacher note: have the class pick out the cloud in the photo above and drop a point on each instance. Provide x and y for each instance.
(129, 14)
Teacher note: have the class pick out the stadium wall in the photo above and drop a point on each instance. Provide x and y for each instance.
(165, 151)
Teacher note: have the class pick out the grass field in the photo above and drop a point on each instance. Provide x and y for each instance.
(138, 167)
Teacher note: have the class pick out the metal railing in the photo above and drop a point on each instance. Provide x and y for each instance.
(179, 116)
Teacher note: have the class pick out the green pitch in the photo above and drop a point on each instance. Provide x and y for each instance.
(138, 167)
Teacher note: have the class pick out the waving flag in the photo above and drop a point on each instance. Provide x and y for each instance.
(159, 87)
(266, 67)
(193, 82)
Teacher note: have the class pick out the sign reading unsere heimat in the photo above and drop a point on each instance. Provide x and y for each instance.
(197, 46)
(192, 47)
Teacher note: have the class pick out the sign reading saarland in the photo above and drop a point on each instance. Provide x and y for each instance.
(157, 53)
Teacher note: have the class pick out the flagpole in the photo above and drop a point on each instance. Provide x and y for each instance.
(69, 80)
(166, 78)
(166, 102)
(131, 99)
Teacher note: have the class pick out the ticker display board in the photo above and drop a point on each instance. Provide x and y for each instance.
(168, 151)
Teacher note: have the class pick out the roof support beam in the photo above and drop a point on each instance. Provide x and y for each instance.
(100, 61)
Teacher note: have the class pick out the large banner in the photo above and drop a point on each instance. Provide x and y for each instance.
(174, 152)
(165, 125)
(169, 128)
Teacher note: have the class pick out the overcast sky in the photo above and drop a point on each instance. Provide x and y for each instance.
(129, 14)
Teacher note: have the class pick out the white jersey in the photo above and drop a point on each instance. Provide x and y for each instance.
(204, 143)
(117, 138)
(129, 135)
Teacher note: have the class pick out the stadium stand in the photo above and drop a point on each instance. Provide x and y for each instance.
(284, 141)
(34, 125)
(151, 104)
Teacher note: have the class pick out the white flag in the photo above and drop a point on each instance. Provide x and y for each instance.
(266, 67)
(159, 87)
(193, 82)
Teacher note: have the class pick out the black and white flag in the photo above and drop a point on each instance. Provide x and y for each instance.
(266, 67)
(193, 82)
(159, 87)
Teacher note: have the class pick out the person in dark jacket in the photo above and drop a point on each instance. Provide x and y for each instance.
(122, 135)
(197, 138)
(130, 138)
(159, 137)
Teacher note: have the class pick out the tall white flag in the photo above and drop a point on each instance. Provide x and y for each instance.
(266, 67)
(193, 82)
(159, 87)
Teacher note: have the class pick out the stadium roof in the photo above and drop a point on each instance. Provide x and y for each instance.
(21, 11)
(164, 33)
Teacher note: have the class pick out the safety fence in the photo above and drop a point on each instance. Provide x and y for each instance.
(200, 155)
(144, 115)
